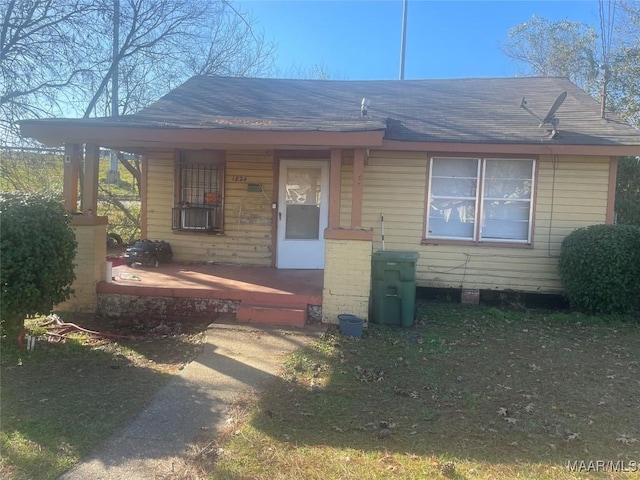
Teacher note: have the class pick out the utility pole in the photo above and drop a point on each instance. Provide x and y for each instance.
(112, 174)
(403, 42)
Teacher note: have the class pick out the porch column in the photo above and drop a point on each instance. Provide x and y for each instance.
(70, 176)
(347, 273)
(90, 186)
(90, 263)
(334, 188)
(358, 182)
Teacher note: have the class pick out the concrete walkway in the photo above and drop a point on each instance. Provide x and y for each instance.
(236, 358)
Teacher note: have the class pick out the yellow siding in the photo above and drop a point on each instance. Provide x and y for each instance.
(394, 184)
(247, 238)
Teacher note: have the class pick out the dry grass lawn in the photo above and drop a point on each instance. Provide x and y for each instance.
(468, 393)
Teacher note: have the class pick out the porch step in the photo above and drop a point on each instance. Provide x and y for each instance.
(270, 315)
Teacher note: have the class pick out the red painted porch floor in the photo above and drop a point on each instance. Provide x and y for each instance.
(216, 281)
(265, 295)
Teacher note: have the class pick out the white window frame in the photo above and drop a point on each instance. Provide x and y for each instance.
(479, 202)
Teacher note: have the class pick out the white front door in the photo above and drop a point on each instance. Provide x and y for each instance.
(303, 210)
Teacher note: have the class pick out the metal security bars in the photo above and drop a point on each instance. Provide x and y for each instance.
(199, 192)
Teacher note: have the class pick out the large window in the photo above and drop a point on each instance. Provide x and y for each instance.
(199, 192)
(480, 199)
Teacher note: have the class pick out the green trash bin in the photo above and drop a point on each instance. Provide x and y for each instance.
(393, 287)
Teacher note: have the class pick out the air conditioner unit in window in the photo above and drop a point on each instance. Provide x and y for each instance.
(195, 219)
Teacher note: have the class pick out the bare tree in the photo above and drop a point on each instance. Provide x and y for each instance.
(37, 58)
(57, 57)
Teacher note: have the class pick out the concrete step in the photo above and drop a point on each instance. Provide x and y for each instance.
(271, 315)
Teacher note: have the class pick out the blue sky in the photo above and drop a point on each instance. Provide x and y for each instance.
(360, 39)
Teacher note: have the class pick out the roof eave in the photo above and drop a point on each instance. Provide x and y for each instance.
(130, 138)
(59, 133)
(546, 148)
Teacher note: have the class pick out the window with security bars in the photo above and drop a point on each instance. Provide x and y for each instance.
(199, 192)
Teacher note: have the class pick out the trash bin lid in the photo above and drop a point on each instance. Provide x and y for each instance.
(396, 255)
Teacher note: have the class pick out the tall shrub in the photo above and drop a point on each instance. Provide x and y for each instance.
(600, 268)
(37, 249)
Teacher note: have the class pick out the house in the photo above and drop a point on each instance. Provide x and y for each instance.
(482, 177)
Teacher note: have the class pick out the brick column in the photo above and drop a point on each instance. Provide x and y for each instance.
(91, 263)
(347, 273)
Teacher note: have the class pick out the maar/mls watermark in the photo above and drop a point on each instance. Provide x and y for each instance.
(618, 466)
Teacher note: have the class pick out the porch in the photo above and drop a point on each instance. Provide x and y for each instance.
(179, 291)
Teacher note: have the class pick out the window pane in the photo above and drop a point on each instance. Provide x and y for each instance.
(455, 167)
(454, 187)
(505, 220)
(451, 218)
(506, 205)
(508, 179)
(303, 191)
(303, 186)
(452, 203)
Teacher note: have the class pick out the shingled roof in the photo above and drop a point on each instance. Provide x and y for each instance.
(486, 110)
(458, 110)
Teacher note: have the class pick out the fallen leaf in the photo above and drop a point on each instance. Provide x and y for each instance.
(626, 439)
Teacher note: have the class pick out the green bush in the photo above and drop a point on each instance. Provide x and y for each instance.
(37, 249)
(600, 268)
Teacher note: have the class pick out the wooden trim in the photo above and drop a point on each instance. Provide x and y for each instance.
(335, 173)
(482, 165)
(479, 206)
(176, 176)
(470, 243)
(57, 133)
(534, 198)
(357, 187)
(275, 198)
(71, 169)
(511, 148)
(301, 154)
(611, 196)
(91, 171)
(348, 234)
(426, 197)
(222, 181)
(144, 201)
(88, 220)
(483, 155)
